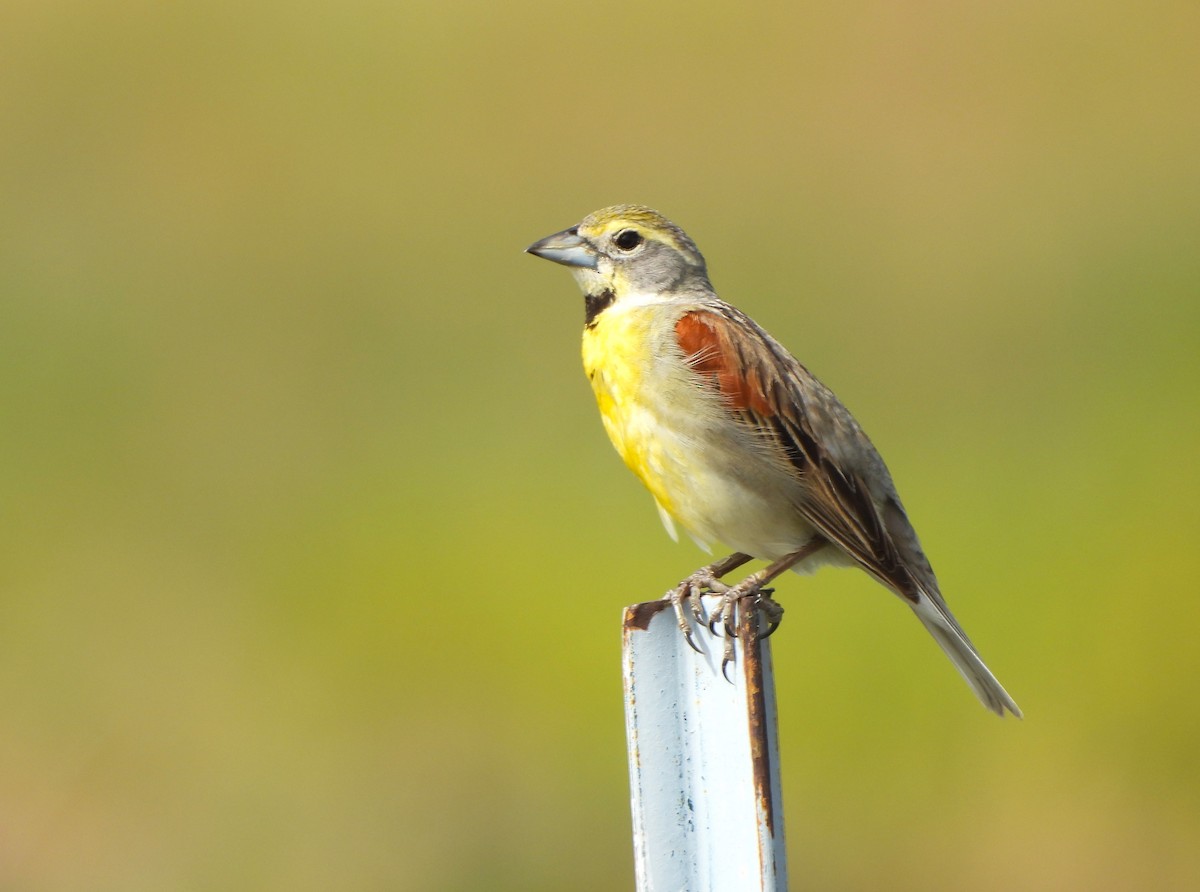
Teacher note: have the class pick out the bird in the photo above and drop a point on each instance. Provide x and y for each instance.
(736, 440)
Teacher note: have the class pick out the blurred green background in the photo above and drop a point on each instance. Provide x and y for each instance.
(314, 550)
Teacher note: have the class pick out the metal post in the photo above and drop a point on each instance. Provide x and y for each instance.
(703, 758)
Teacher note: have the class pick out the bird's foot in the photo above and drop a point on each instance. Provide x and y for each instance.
(685, 600)
(747, 594)
(744, 597)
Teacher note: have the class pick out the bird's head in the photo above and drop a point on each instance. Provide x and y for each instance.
(627, 249)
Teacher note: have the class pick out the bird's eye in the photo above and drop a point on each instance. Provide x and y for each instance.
(627, 239)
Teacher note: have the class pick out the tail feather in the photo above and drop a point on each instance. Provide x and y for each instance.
(951, 638)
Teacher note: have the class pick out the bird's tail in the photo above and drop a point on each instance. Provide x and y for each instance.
(950, 637)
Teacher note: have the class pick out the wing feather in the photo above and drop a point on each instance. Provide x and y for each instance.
(849, 496)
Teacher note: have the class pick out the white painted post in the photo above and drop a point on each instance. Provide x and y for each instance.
(703, 758)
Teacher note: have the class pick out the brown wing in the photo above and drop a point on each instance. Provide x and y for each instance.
(850, 498)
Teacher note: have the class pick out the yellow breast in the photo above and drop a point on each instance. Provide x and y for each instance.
(623, 358)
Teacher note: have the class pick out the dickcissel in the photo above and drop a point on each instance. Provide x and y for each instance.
(734, 438)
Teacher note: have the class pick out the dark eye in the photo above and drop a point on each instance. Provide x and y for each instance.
(627, 239)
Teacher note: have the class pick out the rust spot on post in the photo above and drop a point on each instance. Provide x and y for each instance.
(638, 616)
(760, 749)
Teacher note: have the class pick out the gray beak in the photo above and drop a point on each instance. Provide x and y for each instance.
(564, 247)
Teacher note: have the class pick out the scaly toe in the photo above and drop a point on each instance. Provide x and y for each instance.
(772, 612)
(684, 592)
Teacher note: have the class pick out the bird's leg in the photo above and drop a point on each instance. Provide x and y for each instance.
(706, 579)
(752, 588)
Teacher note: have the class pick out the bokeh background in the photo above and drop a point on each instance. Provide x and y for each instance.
(314, 551)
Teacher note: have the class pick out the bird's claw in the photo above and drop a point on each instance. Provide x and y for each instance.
(689, 593)
(726, 662)
(772, 613)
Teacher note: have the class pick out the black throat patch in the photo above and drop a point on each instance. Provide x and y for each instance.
(595, 304)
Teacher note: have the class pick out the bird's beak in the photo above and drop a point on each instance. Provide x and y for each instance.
(564, 247)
